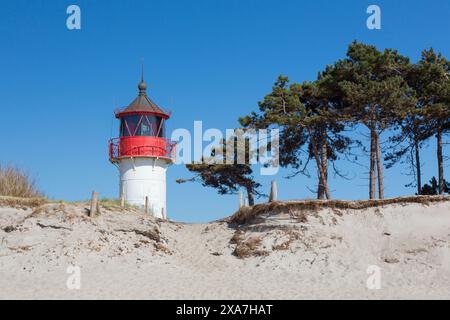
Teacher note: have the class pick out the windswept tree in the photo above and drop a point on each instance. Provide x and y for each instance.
(308, 130)
(379, 90)
(435, 97)
(427, 117)
(373, 91)
(227, 176)
(405, 146)
(410, 130)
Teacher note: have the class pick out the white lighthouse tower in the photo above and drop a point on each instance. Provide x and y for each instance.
(142, 153)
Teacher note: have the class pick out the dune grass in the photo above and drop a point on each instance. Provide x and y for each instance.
(16, 202)
(247, 214)
(113, 203)
(15, 182)
(104, 202)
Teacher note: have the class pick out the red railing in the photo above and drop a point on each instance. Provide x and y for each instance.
(141, 146)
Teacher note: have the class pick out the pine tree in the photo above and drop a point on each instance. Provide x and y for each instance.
(435, 96)
(373, 90)
(411, 129)
(307, 129)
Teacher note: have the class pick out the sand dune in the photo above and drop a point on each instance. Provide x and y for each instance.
(289, 253)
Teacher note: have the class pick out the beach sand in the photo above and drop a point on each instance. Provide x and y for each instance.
(316, 254)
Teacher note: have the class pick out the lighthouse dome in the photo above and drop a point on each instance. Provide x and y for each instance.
(143, 104)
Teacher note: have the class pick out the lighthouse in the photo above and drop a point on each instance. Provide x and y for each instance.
(142, 153)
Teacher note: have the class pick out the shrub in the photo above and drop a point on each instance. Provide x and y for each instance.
(433, 188)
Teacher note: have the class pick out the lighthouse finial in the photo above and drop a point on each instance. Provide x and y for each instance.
(142, 85)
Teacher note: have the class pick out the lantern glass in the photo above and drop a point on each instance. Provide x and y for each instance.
(142, 125)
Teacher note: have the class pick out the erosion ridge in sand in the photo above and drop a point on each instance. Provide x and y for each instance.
(282, 251)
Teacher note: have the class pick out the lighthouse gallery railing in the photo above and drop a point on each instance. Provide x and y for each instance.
(141, 146)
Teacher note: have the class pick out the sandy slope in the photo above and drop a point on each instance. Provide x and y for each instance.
(322, 254)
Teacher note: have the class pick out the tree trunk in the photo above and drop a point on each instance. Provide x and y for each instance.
(320, 191)
(418, 169)
(251, 199)
(379, 167)
(322, 176)
(440, 161)
(372, 165)
(324, 163)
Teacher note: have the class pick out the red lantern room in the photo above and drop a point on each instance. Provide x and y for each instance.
(142, 130)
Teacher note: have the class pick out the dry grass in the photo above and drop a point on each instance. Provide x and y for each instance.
(49, 209)
(109, 204)
(17, 183)
(114, 205)
(153, 234)
(249, 248)
(237, 237)
(292, 236)
(14, 202)
(248, 214)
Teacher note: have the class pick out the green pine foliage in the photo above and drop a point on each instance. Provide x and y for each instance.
(402, 106)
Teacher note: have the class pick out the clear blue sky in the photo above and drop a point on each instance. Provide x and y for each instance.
(205, 60)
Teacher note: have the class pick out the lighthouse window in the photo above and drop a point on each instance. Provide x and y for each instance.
(137, 125)
(156, 128)
(162, 132)
(145, 130)
(129, 125)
